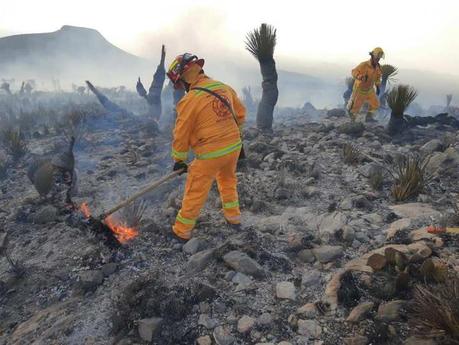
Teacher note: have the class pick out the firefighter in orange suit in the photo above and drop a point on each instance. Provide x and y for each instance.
(367, 76)
(207, 126)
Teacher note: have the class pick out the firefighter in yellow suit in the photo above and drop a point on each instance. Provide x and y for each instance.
(207, 126)
(367, 76)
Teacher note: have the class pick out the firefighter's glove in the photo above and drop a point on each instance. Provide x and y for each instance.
(180, 166)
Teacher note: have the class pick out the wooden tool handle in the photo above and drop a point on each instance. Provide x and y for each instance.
(143, 191)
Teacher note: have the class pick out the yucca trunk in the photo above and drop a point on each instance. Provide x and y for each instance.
(156, 87)
(269, 95)
(382, 93)
(261, 43)
(153, 97)
(396, 124)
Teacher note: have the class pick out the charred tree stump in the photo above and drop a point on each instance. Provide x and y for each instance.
(153, 97)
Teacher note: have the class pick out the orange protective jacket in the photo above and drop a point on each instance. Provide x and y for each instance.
(205, 124)
(374, 77)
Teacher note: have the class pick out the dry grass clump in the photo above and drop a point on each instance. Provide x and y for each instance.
(434, 311)
(376, 179)
(13, 142)
(410, 177)
(351, 154)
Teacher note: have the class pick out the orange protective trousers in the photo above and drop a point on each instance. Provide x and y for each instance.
(201, 175)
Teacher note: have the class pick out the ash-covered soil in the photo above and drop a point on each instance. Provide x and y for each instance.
(306, 215)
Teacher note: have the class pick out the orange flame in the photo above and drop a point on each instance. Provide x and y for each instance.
(84, 208)
(122, 232)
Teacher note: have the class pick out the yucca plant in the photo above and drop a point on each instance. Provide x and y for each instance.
(14, 143)
(261, 43)
(388, 74)
(399, 99)
(351, 154)
(410, 176)
(434, 311)
(449, 99)
(349, 81)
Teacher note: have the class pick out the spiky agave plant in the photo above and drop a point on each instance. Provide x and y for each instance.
(14, 143)
(434, 311)
(388, 74)
(399, 99)
(409, 175)
(351, 154)
(261, 43)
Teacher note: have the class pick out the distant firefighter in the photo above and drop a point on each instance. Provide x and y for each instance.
(367, 76)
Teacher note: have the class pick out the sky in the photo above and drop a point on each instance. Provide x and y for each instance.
(414, 34)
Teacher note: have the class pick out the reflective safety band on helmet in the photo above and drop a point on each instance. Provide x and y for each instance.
(186, 221)
(179, 155)
(231, 204)
(221, 152)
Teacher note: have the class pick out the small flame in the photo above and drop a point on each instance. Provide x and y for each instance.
(84, 208)
(122, 232)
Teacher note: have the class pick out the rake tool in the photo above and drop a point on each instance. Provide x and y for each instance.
(140, 193)
(98, 223)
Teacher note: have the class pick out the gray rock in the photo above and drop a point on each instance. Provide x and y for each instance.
(308, 311)
(356, 340)
(285, 290)
(149, 327)
(326, 254)
(419, 341)
(311, 279)
(265, 320)
(223, 336)
(109, 269)
(204, 340)
(200, 260)
(348, 233)
(332, 224)
(306, 255)
(310, 328)
(194, 245)
(90, 280)
(354, 129)
(241, 278)
(414, 210)
(46, 214)
(241, 262)
(245, 324)
(431, 146)
(206, 321)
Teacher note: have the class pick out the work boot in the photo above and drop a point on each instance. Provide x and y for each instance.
(236, 227)
(369, 118)
(171, 236)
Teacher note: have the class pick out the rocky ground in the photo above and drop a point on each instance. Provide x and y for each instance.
(293, 275)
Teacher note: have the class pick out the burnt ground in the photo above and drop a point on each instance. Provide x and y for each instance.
(297, 197)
